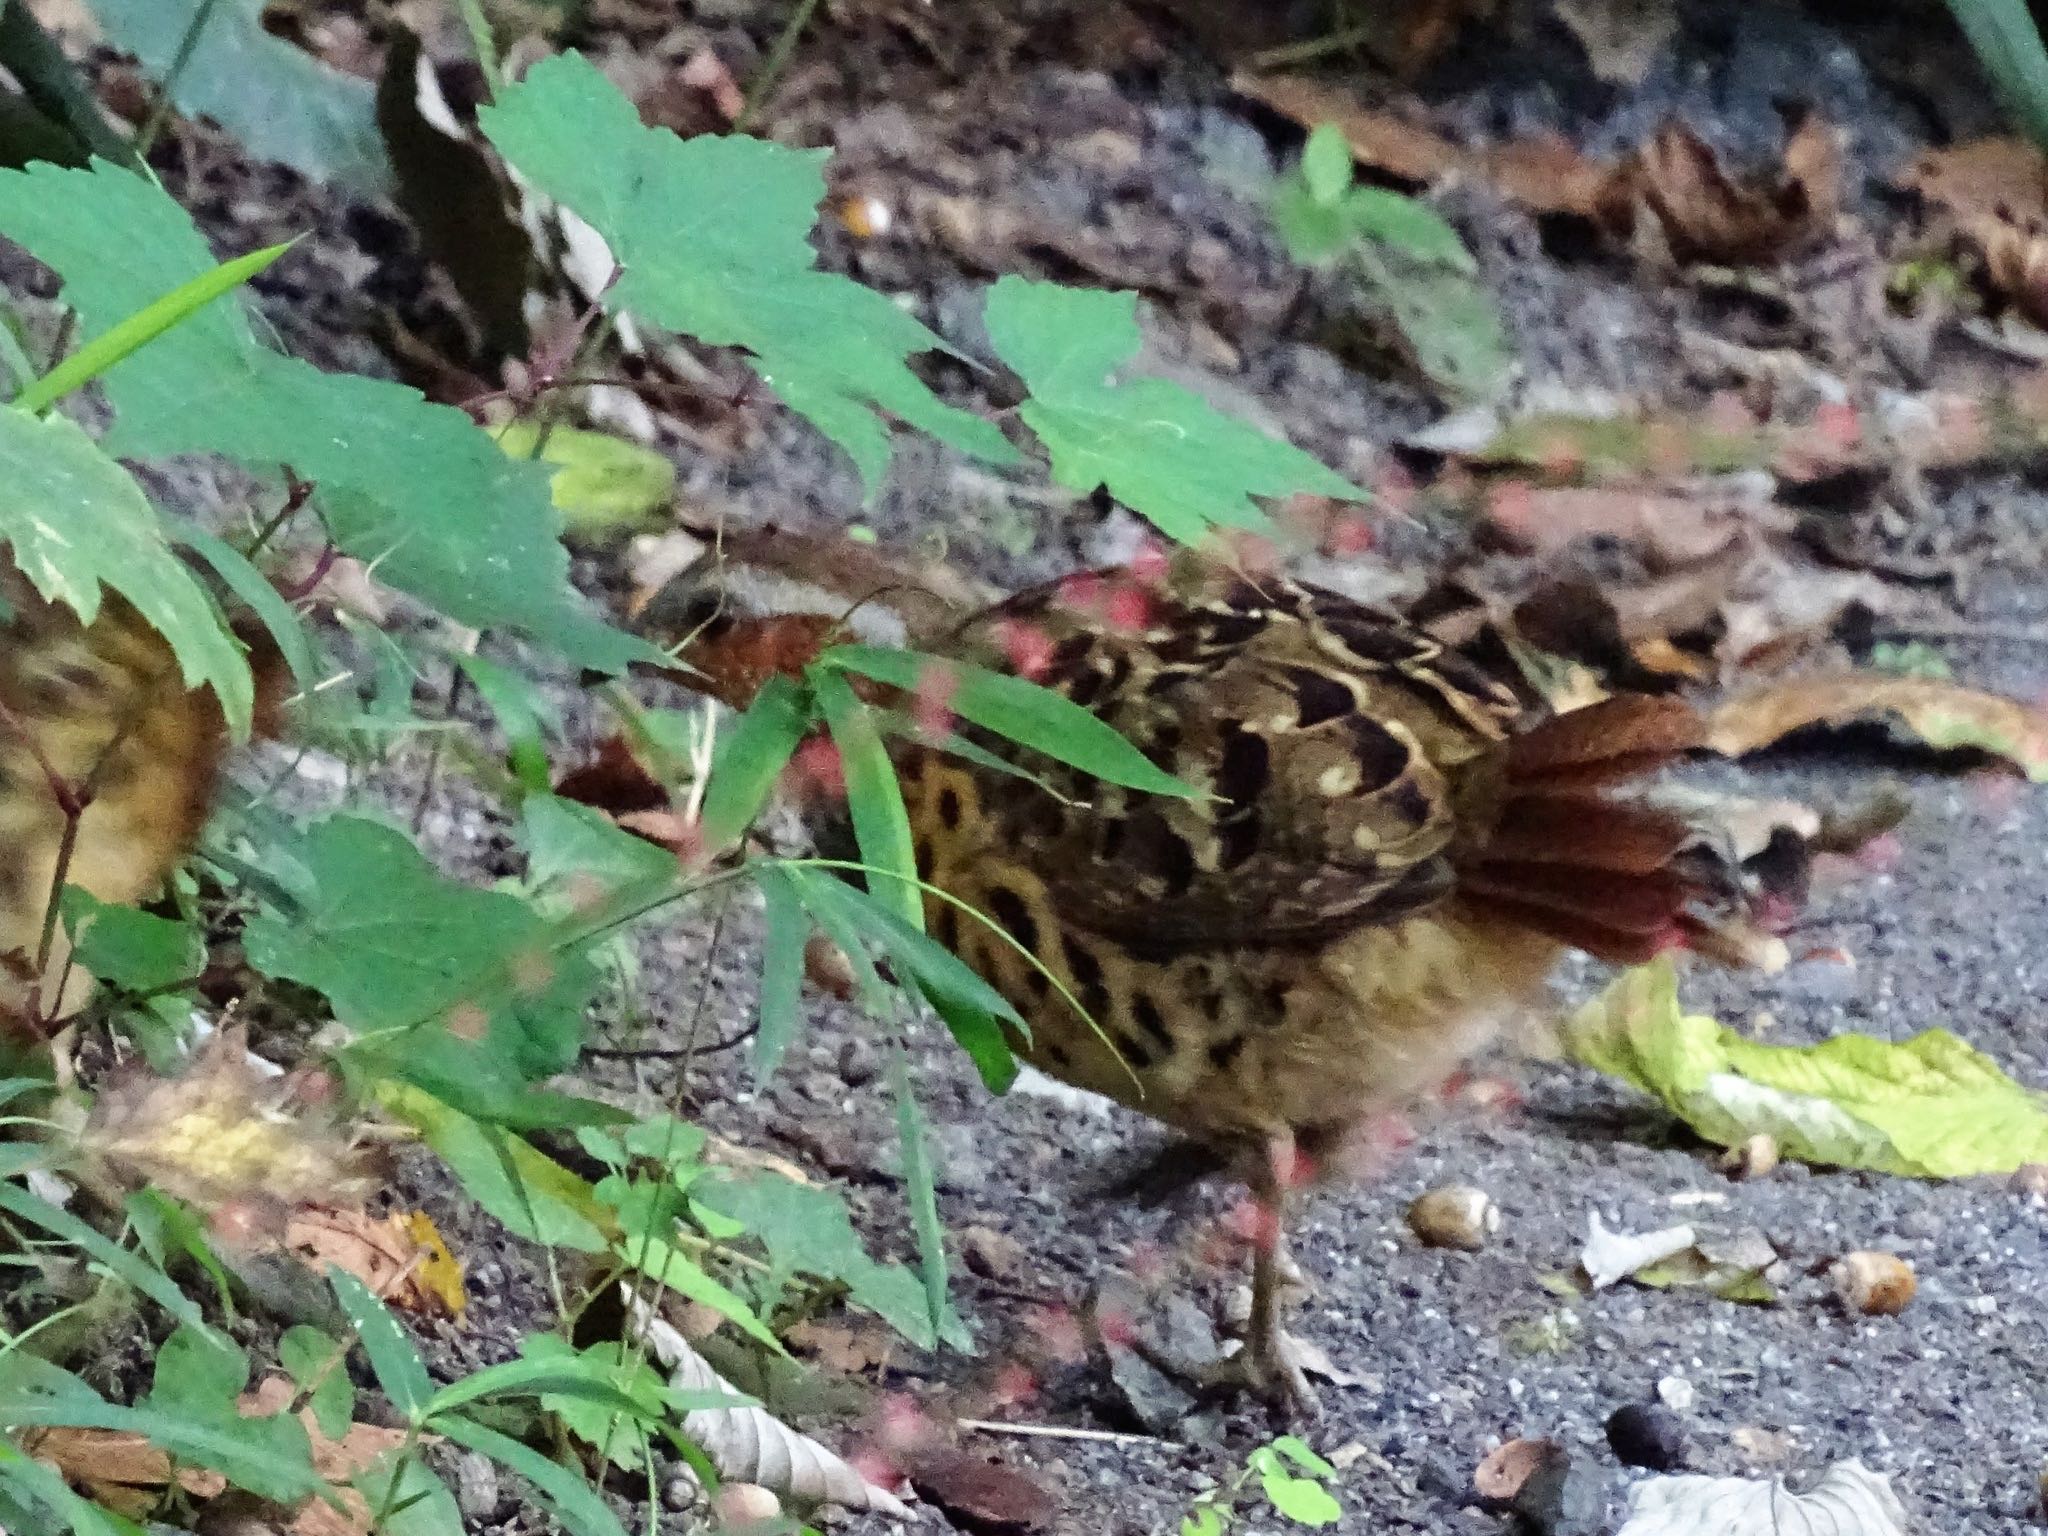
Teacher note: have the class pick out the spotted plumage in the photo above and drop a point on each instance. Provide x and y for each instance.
(1388, 851)
(103, 709)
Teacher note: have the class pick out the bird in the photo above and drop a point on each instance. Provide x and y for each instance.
(96, 723)
(1388, 851)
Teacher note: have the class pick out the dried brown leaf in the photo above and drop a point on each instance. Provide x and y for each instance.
(1675, 192)
(982, 1495)
(1941, 714)
(1503, 1471)
(401, 1257)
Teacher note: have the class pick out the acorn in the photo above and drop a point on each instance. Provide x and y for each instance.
(1871, 1283)
(1454, 1216)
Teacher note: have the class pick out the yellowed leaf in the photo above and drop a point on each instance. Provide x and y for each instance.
(1941, 714)
(386, 1253)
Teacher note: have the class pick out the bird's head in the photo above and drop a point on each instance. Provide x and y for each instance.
(739, 606)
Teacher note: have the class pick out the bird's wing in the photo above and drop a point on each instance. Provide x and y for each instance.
(1341, 754)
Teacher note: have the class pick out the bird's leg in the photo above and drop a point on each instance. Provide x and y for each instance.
(1272, 1366)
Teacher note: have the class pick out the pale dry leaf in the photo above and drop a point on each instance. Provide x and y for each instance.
(1942, 714)
(223, 1131)
(750, 1444)
(1610, 1256)
(1847, 1500)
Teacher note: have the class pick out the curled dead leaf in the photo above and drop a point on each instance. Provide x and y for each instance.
(1676, 192)
(1940, 713)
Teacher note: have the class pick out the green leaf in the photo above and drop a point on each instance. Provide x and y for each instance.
(420, 1502)
(76, 520)
(973, 1011)
(1450, 322)
(665, 1264)
(831, 349)
(1410, 227)
(805, 1230)
(265, 1461)
(1160, 449)
(1298, 1451)
(281, 103)
(530, 1193)
(253, 591)
(881, 824)
(922, 1190)
(523, 713)
(394, 1360)
(131, 335)
(602, 485)
(310, 1359)
(1301, 1499)
(1202, 1520)
(1326, 163)
(574, 1377)
(199, 1373)
(784, 932)
(55, 87)
(128, 1267)
(130, 949)
(749, 759)
(1019, 710)
(416, 489)
(164, 1225)
(569, 847)
(468, 976)
(619, 1434)
(1930, 1106)
(564, 1494)
(81, 1516)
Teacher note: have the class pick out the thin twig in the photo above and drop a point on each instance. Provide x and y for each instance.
(1963, 629)
(1060, 1432)
(145, 139)
(771, 69)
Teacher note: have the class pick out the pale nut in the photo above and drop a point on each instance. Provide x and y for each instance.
(1454, 1216)
(1873, 1284)
(744, 1504)
(1752, 1159)
(2030, 1181)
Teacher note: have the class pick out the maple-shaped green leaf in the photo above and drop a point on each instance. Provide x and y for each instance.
(281, 102)
(712, 238)
(1159, 448)
(417, 489)
(75, 522)
(455, 989)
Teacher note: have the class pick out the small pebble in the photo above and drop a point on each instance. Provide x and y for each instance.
(742, 1504)
(1454, 1216)
(1646, 1435)
(1871, 1283)
(1676, 1393)
(1753, 1159)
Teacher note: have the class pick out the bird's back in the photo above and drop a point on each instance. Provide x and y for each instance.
(1383, 863)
